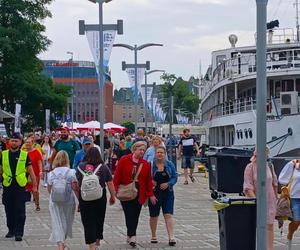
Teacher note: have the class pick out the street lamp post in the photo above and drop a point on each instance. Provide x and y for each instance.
(146, 99)
(136, 48)
(101, 78)
(72, 93)
(261, 118)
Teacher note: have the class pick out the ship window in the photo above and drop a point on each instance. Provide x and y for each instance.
(249, 92)
(298, 85)
(277, 88)
(282, 56)
(241, 134)
(246, 133)
(271, 87)
(297, 54)
(250, 133)
(238, 134)
(289, 85)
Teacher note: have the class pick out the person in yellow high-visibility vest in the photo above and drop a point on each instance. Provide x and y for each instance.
(15, 167)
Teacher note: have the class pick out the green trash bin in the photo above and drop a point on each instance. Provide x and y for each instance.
(237, 223)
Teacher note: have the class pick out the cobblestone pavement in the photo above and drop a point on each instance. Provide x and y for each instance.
(196, 225)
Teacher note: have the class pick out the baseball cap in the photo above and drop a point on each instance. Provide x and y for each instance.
(16, 135)
(86, 140)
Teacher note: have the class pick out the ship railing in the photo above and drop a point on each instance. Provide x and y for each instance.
(280, 36)
(243, 65)
(230, 107)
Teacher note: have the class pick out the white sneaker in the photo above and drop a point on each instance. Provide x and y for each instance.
(289, 245)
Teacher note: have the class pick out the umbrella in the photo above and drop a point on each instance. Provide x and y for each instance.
(95, 125)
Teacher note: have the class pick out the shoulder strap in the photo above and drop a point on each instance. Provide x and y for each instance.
(81, 171)
(292, 178)
(97, 168)
(67, 173)
(138, 173)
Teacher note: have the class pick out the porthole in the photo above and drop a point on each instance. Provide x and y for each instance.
(246, 133)
(250, 132)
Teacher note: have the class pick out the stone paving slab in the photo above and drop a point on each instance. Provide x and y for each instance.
(196, 225)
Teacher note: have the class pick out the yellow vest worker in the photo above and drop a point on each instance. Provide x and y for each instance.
(14, 169)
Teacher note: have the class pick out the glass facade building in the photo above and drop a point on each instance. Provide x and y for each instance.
(82, 77)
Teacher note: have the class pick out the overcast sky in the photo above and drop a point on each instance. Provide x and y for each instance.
(189, 30)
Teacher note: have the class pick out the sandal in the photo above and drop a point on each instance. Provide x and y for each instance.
(192, 178)
(37, 208)
(172, 242)
(154, 240)
(132, 243)
(185, 183)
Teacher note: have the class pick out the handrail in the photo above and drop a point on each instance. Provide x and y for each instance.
(237, 106)
(242, 65)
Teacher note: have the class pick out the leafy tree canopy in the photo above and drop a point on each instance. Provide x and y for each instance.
(21, 78)
(184, 99)
(130, 127)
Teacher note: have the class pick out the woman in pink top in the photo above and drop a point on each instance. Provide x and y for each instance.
(250, 180)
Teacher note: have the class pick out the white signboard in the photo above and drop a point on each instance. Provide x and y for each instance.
(18, 118)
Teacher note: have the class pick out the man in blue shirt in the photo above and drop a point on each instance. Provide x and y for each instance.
(86, 144)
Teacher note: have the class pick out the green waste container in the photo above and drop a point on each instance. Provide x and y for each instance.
(237, 223)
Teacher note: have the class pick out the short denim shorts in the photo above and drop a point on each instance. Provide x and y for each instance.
(165, 201)
(295, 206)
(188, 162)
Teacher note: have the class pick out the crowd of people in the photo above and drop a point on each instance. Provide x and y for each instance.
(132, 169)
(135, 170)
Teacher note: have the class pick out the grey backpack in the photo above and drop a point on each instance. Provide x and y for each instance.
(61, 191)
(90, 187)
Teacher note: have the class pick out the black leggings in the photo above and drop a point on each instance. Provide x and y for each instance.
(132, 210)
(92, 217)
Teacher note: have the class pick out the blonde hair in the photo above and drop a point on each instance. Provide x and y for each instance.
(161, 147)
(61, 160)
(138, 144)
(156, 137)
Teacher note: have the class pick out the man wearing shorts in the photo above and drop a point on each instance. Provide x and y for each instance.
(187, 145)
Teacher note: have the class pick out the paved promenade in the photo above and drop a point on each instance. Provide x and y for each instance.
(196, 225)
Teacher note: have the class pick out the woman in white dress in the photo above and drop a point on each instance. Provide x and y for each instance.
(62, 212)
(47, 149)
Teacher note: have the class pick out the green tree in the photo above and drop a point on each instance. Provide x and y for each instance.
(183, 98)
(130, 127)
(21, 78)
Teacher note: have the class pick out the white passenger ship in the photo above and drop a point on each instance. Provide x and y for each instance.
(229, 95)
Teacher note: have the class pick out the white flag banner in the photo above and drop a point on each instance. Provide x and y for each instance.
(131, 77)
(108, 41)
(140, 79)
(154, 104)
(47, 121)
(149, 94)
(142, 90)
(18, 118)
(164, 116)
